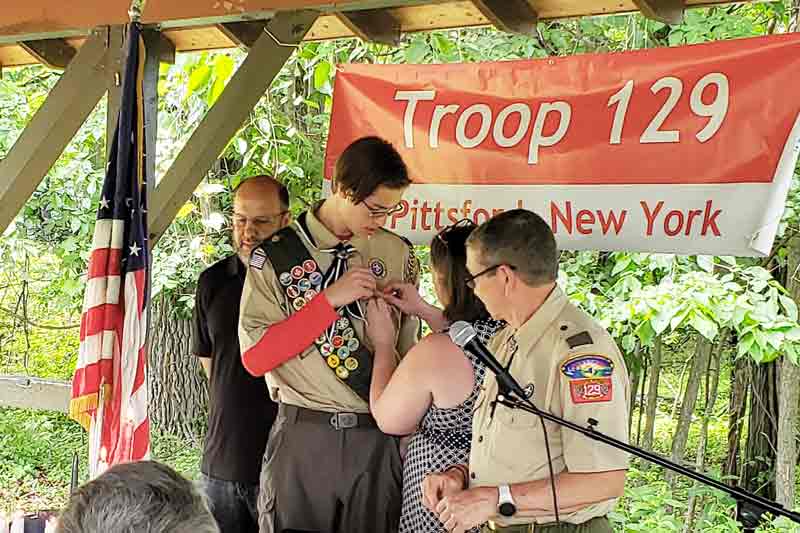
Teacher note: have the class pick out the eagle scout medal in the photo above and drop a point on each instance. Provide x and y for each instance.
(589, 378)
(298, 272)
(351, 363)
(309, 266)
(377, 267)
(342, 372)
(292, 291)
(333, 361)
(285, 279)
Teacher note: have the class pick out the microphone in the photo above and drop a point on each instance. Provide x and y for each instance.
(464, 336)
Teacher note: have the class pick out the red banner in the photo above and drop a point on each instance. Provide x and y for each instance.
(686, 150)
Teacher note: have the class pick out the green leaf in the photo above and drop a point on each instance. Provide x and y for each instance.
(215, 92)
(241, 146)
(789, 306)
(417, 51)
(791, 352)
(322, 74)
(706, 262)
(223, 67)
(661, 320)
(199, 78)
(704, 325)
(646, 333)
(621, 265)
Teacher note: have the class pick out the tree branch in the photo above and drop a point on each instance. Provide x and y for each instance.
(35, 324)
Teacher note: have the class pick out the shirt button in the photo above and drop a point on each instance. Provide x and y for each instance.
(480, 438)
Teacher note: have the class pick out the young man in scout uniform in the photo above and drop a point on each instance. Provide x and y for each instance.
(240, 413)
(327, 467)
(577, 373)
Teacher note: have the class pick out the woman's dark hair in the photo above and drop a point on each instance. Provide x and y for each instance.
(449, 259)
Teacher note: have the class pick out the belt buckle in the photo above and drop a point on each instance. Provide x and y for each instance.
(344, 420)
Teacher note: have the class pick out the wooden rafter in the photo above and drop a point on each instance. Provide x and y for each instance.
(513, 16)
(666, 11)
(377, 25)
(55, 53)
(244, 33)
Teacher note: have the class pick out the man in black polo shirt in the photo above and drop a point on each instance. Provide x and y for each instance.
(240, 411)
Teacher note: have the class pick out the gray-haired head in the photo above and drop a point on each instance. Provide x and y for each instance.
(142, 497)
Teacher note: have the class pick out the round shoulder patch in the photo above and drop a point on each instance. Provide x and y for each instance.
(588, 366)
(377, 267)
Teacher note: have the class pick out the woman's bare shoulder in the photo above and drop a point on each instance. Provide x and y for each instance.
(435, 346)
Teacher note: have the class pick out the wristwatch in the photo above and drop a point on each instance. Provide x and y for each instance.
(505, 502)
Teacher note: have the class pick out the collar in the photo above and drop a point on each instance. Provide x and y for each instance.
(529, 333)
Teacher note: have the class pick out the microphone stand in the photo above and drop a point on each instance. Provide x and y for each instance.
(749, 507)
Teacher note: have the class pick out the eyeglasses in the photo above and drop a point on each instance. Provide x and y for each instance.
(380, 212)
(463, 223)
(471, 280)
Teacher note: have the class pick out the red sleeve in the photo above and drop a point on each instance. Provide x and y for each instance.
(288, 338)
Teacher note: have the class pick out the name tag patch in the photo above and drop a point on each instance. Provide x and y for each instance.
(258, 258)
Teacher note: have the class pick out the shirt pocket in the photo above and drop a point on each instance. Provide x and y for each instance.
(517, 437)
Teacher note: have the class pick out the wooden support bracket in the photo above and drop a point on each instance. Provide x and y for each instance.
(223, 120)
(55, 53)
(513, 16)
(376, 25)
(666, 11)
(244, 33)
(52, 127)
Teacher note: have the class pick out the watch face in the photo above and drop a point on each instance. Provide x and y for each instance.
(507, 509)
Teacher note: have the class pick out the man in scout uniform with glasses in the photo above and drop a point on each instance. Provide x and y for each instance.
(327, 467)
(577, 373)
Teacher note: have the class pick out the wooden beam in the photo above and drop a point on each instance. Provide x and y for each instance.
(113, 68)
(52, 127)
(24, 392)
(245, 34)
(666, 11)
(512, 16)
(246, 87)
(376, 25)
(55, 53)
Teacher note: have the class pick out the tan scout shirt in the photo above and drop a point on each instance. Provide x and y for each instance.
(508, 445)
(307, 380)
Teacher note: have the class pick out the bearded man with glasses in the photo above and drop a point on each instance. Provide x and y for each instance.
(327, 467)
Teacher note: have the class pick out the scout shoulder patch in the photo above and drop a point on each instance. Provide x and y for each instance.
(589, 378)
(258, 258)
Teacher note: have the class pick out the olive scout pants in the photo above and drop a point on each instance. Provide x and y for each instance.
(595, 525)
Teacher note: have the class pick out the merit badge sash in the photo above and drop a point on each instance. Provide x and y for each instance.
(302, 279)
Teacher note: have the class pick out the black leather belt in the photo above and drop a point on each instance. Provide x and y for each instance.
(335, 420)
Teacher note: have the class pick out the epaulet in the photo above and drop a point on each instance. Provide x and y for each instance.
(396, 236)
(579, 339)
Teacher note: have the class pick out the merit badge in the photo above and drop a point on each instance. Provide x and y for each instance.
(309, 265)
(342, 372)
(321, 338)
(258, 258)
(298, 304)
(343, 353)
(353, 345)
(377, 267)
(342, 323)
(588, 366)
(292, 291)
(348, 334)
(315, 278)
(590, 390)
(333, 361)
(337, 341)
(326, 349)
(309, 294)
(303, 285)
(351, 363)
(298, 272)
(285, 279)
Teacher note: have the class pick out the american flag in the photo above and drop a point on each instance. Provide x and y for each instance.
(109, 389)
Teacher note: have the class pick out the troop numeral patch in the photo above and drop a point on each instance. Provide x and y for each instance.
(591, 390)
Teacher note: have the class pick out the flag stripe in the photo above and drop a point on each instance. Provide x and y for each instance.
(102, 290)
(108, 233)
(104, 262)
(99, 319)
